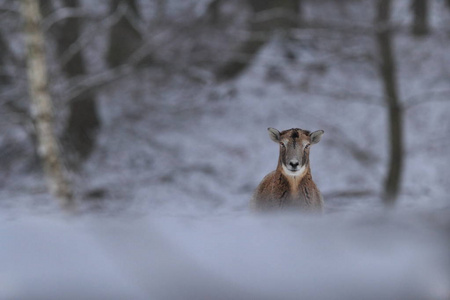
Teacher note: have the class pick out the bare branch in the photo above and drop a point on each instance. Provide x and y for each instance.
(9, 7)
(427, 97)
(334, 93)
(269, 15)
(64, 13)
(90, 82)
(84, 39)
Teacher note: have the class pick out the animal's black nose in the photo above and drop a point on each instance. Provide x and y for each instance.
(294, 164)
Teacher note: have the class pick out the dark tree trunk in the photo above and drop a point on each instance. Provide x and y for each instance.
(4, 79)
(213, 11)
(262, 29)
(161, 10)
(83, 122)
(387, 68)
(82, 126)
(300, 9)
(420, 20)
(124, 39)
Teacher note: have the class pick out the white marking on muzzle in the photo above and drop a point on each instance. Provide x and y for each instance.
(298, 172)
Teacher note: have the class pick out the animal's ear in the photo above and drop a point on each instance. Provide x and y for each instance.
(274, 134)
(316, 136)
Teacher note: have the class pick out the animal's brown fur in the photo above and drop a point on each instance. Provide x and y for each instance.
(279, 190)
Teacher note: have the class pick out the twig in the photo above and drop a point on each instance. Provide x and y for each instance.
(426, 97)
(96, 81)
(86, 38)
(64, 13)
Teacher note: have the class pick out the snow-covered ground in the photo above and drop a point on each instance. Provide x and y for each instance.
(226, 256)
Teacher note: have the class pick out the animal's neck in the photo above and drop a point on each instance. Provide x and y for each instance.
(295, 181)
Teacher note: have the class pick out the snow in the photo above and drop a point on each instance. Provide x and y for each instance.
(225, 256)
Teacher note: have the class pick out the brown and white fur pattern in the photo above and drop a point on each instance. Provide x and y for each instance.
(291, 184)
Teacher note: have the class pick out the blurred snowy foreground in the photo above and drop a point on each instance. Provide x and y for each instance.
(227, 256)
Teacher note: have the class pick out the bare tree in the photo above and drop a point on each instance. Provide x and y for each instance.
(420, 21)
(41, 106)
(387, 69)
(124, 38)
(268, 15)
(83, 122)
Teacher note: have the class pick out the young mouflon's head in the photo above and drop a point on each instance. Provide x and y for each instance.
(294, 148)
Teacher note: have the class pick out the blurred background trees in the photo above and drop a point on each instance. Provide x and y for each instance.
(267, 17)
(170, 62)
(78, 137)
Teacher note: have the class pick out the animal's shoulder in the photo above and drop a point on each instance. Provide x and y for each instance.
(271, 179)
(273, 184)
(268, 194)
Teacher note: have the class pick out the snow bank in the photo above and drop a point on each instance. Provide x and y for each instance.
(226, 256)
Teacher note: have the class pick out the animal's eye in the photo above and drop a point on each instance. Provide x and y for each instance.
(307, 146)
(282, 145)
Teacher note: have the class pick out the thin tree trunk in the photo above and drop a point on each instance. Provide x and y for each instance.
(300, 9)
(41, 106)
(161, 7)
(420, 20)
(213, 11)
(387, 68)
(4, 79)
